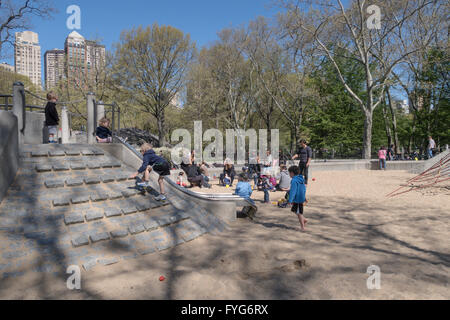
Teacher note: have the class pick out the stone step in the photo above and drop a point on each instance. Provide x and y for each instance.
(73, 166)
(55, 150)
(85, 180)
(95, 195)
(118, 211)
(147, 237)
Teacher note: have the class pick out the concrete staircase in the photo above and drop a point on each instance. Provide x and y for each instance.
(75, 205)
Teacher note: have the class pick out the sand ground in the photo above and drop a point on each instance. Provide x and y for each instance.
(352, 225)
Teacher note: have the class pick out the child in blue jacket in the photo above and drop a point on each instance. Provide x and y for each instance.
(244, 189)
(297, 194)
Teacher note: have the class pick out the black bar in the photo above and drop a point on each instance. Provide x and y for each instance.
(95, 117)
(118, 122)
(113, 119)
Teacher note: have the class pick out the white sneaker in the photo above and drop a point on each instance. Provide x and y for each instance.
(142, 184)
(161, 197)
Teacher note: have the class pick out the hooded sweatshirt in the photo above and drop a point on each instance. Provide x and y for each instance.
(297, 194)
(103, 132)
(150, 159)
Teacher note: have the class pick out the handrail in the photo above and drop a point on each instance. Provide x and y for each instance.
(203, 196)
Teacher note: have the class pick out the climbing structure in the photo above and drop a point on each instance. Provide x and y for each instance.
(436, 176)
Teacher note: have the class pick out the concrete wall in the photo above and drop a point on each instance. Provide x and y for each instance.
(9, 151)
(34, 128)
(181, 198)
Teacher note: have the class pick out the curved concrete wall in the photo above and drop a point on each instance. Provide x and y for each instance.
(9, 151)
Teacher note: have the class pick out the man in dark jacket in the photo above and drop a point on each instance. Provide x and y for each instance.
(304, 154)
(51, 117)
(153, 162)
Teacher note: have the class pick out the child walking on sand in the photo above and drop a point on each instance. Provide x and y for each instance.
(153, 162)
(297, 194)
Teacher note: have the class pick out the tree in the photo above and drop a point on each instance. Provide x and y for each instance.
(150, 65)
(15, 16)
(335, 28)
(283, 63)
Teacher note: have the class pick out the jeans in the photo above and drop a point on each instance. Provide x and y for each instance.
(382, 164)
(430, 153)
(266, 195)
(222, 176)
(304, 171)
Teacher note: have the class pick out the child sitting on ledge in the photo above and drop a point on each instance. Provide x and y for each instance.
(244, 189)
(102, 133)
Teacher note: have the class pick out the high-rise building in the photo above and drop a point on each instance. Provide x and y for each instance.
(84, 59)
(6, 66)
(95, 57)
(27, 54)
(54, 65)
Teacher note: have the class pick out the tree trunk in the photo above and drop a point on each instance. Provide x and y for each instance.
(161, 129)
(413, 131)
(367, 140)
(387, 126)
(394, 123)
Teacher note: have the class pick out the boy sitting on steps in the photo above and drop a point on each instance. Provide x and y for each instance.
(153, 162)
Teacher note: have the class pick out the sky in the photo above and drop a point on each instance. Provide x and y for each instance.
(105, 20)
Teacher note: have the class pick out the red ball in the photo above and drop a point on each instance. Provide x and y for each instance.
(314, 179)
(162, 278)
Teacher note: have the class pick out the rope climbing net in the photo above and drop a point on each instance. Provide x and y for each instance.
(436, 176)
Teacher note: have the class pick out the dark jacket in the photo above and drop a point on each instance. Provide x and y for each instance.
(150, 159)
(191, 170)
(51, 115)
(103, 132)
(230, 171)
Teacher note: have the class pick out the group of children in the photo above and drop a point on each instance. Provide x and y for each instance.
(295, 195)
(103, 134)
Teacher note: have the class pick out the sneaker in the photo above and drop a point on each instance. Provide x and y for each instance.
(142, 184)
(161, 197)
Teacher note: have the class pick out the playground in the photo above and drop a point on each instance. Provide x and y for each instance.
(352, 225)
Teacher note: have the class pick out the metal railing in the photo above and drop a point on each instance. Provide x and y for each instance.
(6, 104)
(112, 108)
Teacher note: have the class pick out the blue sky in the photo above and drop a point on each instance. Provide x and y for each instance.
(105, 20)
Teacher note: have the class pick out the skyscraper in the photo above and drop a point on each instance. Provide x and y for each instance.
(54, 64)
(27, 54)
(84, 59)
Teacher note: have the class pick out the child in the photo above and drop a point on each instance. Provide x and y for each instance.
(153, 162)
(244, 189)
(382, 158)
(264, 185)
(102, 133)
(285, 179)
(51, 117)
(297, 194)
(226, 180)
(273, 183)
(180, 180)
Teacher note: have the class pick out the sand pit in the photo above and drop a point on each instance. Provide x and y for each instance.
(352, 225)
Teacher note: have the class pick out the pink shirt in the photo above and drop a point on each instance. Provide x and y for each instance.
(382, 154)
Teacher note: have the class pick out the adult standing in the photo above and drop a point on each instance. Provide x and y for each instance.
(431, 147)
(304, 154)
